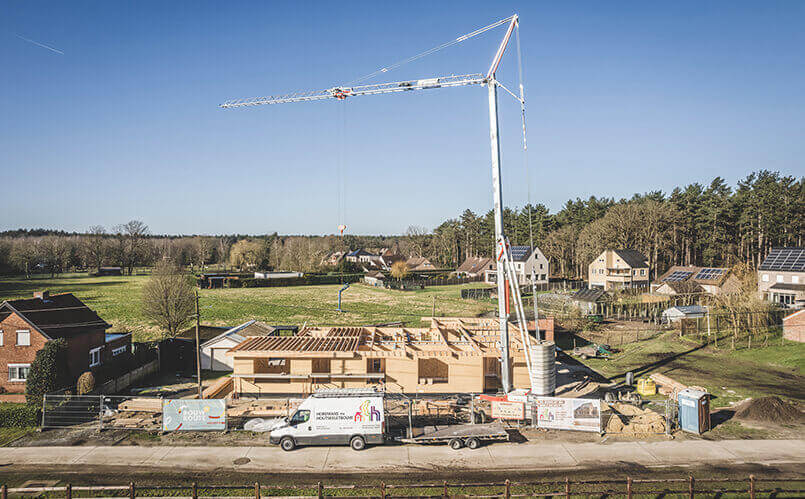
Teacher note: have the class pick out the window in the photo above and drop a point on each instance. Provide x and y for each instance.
(23, 338)
(779, 278)
(1, 337)
(765, 277)
(794, 279)
(300, 417)
(643, 272)
(374, 366)
(18, 372)
(95, 357)
(321, 366)
(117, 351)
(540, 266)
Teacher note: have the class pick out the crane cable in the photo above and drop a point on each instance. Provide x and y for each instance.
(433, 50)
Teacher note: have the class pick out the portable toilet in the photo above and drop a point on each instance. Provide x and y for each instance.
(694, 411)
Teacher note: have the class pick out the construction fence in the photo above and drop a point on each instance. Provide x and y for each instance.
(684, 486)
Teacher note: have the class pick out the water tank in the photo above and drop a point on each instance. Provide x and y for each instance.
(543, 366)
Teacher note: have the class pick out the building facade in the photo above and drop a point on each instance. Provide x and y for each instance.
(619, 269)
(781, 277)
(527, 261)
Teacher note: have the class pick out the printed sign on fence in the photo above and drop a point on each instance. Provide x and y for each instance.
(569, 414)
(194, 414)
(508, 410)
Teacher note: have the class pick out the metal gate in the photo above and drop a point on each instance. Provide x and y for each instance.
(63, 411)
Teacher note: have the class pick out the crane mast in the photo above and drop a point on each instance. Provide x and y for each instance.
(506, 277)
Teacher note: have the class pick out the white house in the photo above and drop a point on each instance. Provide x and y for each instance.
(679, 312)
(525, 259)
(213, 351)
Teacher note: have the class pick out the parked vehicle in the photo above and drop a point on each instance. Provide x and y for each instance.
(593, 351)
(354, 417)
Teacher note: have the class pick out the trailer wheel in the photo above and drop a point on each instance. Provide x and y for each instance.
(456, 444)
(357, 443)
(287, 444)
(473, 443)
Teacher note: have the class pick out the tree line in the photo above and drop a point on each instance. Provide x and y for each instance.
(710, 225)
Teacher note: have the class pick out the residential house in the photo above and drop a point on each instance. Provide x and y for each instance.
(334, 258)
(794, 326)
(419, 263)
(475, 266)
(679, 312)
(619, 269)
(359, 256)
(26, 325)
(781, 277)
(213, 351)
(526, 260)
(451, 355)
(690, 279)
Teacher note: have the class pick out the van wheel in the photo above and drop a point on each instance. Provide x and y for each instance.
(357, 443)
(473, 443)
(456, 444)
(287, 444)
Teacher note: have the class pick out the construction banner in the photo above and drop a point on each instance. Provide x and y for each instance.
(508, 410)
(568, 414)
(194, 414)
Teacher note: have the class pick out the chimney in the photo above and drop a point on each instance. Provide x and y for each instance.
(42, 295)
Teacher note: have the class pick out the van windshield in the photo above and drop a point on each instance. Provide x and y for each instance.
(302, 416)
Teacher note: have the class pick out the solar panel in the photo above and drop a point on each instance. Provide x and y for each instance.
(520, 252)
(708, 274)
(678, 275)
(785, 259)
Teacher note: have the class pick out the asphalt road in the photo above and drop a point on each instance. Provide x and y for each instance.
(413, 458)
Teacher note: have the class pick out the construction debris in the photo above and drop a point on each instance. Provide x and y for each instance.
(631, 420)
(667, 386)
(141, 405)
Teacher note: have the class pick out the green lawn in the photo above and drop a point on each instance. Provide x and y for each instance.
(730, 375)
(117, 300)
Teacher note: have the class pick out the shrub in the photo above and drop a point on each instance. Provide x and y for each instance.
(85, 383)
(49, 372)
(18, 415)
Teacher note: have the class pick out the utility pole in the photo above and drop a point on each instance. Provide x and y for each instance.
(198, 350)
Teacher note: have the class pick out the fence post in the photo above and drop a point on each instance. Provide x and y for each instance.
(628, 487)
(382, 490)
(131, 490)
(44, 408)
(4, 492)
(508, 489)
(690, 486)
(320, 490)
(68, 491)
(194, 491)
(256, 490)
(444, 488)
(752, 486)
(100, 413)
(567, 487)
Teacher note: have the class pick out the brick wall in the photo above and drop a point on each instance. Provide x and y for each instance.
(10, 353)
(107, 356)
(794, 327)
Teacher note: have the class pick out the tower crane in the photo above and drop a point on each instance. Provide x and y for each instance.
(507, 281)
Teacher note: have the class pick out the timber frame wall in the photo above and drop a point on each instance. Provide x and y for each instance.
(450, 355)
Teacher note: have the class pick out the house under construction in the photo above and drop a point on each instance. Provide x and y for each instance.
(451, 355)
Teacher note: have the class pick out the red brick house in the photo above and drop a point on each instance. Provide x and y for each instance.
(27, 324)
(794, 326)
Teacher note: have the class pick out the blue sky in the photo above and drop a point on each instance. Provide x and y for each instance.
(622, 97)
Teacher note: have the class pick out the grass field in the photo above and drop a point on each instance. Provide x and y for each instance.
(118, 301)
(730, 375)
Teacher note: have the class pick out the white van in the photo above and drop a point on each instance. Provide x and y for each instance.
(335, 417)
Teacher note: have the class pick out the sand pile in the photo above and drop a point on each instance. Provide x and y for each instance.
(769, 410)
(632, 420)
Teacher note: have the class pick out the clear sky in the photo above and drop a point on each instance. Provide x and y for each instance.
(108, 110)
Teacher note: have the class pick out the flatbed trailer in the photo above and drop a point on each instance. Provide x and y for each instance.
(458, 436)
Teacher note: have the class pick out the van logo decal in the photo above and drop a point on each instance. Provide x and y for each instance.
(370, 413)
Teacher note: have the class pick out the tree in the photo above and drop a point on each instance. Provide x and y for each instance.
(131, 244)
(202, 247)
(246, 254)
(399, 270)
(168, 299)
(49, 372)
(25, 255)
(95, 247)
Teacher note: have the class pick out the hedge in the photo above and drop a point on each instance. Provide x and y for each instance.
(18, 416)
(307, 280)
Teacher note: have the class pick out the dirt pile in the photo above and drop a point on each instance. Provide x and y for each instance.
(631, 420)
(769, 410)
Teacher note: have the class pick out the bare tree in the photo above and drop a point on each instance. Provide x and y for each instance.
(25, 255)
(95, 247)
(168, 298)
(132, 246)
(416, 236)
(201, 251)
(55, 254)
